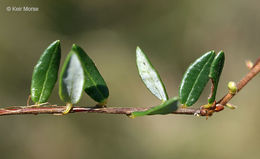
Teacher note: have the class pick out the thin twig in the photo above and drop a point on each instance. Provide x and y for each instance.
(59, 110)
(53, 109)
(250, 75)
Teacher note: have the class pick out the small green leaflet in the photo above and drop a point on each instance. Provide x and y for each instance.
(215, 72)
(195, 79)
(150, 76)
(95, 86)
(71, 79)
(45, 73)
(167, 107)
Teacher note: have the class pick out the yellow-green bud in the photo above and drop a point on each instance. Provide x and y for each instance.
(232, 87)
(230, 106)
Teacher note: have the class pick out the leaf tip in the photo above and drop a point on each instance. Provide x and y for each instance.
(56, 43)
(138, 50)
(74, 46)
(221, 53)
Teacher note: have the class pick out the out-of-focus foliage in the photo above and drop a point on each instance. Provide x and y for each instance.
(174, 33)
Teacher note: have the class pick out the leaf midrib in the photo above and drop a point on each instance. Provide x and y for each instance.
(47, 73)
(197, 79)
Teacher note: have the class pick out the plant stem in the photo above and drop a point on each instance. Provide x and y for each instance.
(58, 110)
(250, 75)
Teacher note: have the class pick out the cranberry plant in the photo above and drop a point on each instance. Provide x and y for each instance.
(79, 74)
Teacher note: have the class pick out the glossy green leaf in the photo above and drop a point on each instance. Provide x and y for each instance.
(45, 73)
(215, 72)
(71, 80)
(150, 76)
(95, 86)
(167, 107)
(195, 79)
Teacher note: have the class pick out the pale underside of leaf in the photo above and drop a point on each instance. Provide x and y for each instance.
(74, 79)
(94, 86)
(150, 76)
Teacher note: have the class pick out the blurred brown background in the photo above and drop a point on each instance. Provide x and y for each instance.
(172, 34)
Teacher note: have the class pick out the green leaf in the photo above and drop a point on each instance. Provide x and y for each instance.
(150, 76)
(215, 72)
(45, 73)
(195, 79)
(167, 107)
(95, 86)
(71, 79)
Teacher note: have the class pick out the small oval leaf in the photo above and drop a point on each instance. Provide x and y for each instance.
(45, 73)
(167, 107)
(71, 79)
(150, 76)
(95, 86)
(195, 79)
(215, 72)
